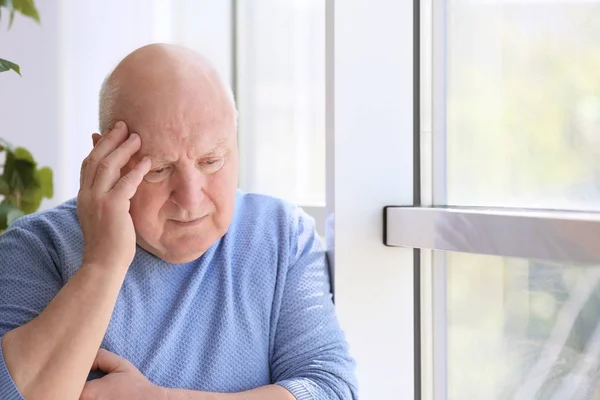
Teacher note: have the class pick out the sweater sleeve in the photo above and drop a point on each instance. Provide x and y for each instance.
(29, 280)
(311, 357)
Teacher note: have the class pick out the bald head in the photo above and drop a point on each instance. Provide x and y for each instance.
(162, 73)
(184, 115)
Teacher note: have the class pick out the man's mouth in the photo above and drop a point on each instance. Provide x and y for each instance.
(188, 223)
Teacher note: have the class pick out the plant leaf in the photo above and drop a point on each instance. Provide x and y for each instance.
(9, 166)
(6, 65)
(26, 173)
(10, 200)
(4, 187)
(31, 199)
(13, 215)
(27, 8)
(19, 173)
(4, 209)
(7, 210)
(23, 154)
(17, 182)
(44, 180)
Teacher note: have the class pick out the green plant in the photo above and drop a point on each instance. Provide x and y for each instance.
(26, 8)
(22, 184)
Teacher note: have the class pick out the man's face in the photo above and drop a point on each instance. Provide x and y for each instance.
(186, 202)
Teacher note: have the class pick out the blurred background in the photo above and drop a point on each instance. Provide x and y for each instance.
(271, 52)
(521, 130)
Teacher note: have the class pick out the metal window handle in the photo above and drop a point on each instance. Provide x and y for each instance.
(570, 237)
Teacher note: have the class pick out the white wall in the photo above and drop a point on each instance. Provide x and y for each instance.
(52, 110)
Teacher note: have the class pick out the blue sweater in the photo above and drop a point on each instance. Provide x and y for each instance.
(255, 309)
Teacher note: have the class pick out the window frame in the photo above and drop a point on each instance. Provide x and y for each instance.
(420, 226)
(367, 83)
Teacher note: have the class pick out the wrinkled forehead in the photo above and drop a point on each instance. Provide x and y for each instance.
(170, 139)
(184, 120)
(171, 113)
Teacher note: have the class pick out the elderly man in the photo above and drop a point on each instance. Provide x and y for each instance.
(162, 276)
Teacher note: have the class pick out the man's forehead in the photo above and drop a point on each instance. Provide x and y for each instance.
(166, 148)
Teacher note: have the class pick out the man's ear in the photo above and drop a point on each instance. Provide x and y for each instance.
(96, 138)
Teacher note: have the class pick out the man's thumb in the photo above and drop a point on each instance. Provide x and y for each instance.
(109, 362)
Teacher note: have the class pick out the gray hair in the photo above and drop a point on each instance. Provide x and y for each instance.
(108, 97)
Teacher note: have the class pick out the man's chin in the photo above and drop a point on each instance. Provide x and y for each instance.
(173, 258)
(177, 252)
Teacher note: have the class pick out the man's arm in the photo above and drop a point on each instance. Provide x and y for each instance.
(271, 392)
(311, 356)
(49, 357)
(125, 382)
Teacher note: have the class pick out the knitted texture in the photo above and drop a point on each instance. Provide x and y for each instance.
(255, 309)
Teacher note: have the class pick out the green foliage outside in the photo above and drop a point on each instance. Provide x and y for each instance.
(523, 130)
(22, 184)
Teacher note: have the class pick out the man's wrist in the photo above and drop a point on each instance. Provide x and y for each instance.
(105, 277)
(105, 268)
(182, 394)
(163, 393)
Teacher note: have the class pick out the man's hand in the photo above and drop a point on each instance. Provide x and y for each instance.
(123, 382)
(103, 199)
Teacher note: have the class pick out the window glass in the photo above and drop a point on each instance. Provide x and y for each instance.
(523, 103)
(281, 94)
(521, 329)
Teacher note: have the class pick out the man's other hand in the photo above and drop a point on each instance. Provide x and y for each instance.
(122, 382)
(103, 199)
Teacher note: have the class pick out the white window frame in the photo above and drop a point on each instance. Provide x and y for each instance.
(370, 130)
(565, 237)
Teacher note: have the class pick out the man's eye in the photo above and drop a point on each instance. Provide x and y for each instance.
(157, 174)
(213, 164)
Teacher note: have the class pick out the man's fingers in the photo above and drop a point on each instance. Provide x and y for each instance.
(109, 169)
(95, 138)
(89, 391)
(128, 184)
(109, 362)
(107, 145)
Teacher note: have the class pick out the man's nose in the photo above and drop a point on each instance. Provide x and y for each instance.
(188, 190)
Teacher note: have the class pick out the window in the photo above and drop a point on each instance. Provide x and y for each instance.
(522, 130)
(507, 218)
(523, 103)
(281, 94)
(534, 331)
